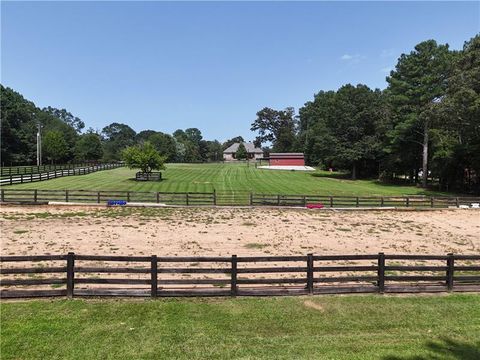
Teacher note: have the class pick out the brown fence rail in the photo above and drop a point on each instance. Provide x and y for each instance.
(27, 170)
(53, 174)
(154, 276)
(234, 199)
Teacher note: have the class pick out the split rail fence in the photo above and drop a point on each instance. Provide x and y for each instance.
(53, 174)
(233, 199)
(24, 170)
(155, 276)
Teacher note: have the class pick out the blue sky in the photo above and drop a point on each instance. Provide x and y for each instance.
(210, 65)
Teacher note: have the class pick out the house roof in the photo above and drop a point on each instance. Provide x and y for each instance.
(249, 146)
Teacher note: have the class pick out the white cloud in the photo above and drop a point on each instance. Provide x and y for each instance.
(352, 58)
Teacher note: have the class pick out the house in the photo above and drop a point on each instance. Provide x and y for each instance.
(253, 152)
(287, 159)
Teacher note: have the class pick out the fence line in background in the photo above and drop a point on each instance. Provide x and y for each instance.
(42, 176)
(311, 274)
(19, 170)
(243, 199)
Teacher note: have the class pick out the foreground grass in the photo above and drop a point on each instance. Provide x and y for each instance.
(237, 179)
(350, 327)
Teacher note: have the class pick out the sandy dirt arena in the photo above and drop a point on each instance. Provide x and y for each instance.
(36, 230)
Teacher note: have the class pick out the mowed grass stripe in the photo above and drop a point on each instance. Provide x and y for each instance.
(229, 178)
(323, 327)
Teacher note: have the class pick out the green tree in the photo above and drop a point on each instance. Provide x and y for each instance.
(116, 138)
(144, 157)
(414, 87)
(344, 129)
(458, 159)
(54, 146)
(214, 151)
(73, 121)
(241, 153)
(276, 126)
(89, 147)
(164, 144)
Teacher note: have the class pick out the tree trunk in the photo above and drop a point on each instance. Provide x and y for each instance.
(425, 156)
(354, 171)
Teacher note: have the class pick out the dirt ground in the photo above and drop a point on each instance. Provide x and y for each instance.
(36, 230)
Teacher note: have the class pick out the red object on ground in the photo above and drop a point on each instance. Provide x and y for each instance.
(315, 206)
(287, 159)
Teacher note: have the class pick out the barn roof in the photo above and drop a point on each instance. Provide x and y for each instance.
(249, 146)
(286, 155)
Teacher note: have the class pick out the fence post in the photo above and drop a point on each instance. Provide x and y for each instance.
(154, 276)
(304, 200)
(70, 274)
(31, 177)
(128, 196)
(431, 201)
(158, 197)
(186, 199)
(310, 273)
(251, 199)
(357, 202)
(214, 197)
(98, 197)
(233, 280)
(382, 201)
(450, 268)
(21, 179)
(66, 195)
(11, 179)
(3, 195)
(407, 201)
(35, 195)
(278, 200)
(457, 203)
(331, 201)
(381, 273)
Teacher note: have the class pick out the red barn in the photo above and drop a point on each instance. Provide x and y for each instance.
(287, 159)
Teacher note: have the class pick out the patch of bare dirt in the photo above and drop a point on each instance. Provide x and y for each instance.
(32, 230)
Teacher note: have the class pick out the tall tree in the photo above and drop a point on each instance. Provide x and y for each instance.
(241, 153)
(54, 146)
(67, 117)
(344, 129)
(418, 82)
(276, 126)
(116, 138)
(89, 147)
(164, 144)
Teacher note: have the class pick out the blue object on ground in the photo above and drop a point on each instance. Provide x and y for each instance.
(116, 202)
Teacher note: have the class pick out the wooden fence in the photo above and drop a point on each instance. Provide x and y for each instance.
(24, 170)
(233, 199)
(154, 276)
(41, 176)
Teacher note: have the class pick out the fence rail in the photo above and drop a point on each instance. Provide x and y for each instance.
(24, 170)
(48, 175)
(244, 198)
(154, 276)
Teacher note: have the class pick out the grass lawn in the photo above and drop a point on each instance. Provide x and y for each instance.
(327, 327)
(226, 178)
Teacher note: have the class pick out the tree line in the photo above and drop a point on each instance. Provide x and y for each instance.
(424, 126)
(64, 139)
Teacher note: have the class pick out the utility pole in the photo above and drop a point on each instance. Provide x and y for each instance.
(39, 145)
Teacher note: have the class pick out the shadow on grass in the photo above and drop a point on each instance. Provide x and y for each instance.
(334, 175)
(444, 349)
